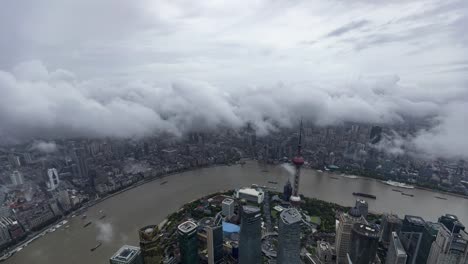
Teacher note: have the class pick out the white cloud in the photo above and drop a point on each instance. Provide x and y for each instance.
(135, 68)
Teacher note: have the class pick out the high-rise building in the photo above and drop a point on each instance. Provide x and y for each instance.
(127, 255)
(212, 229)
(53, 178)
(449, 247)
(250, 235)
(363, 207)
(228, 207)
(5, 237)
(287, 191)
(17, 178)
(298, 161)
(364, 243)
(149, 245)
(396, 252)
(411, 236)
(289, 237)
(343, 233)
(390, 223)
(428, 237)
(81, 162)
(451, 222)
(188, 242)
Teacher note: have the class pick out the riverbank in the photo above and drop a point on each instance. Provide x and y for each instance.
(35, 236)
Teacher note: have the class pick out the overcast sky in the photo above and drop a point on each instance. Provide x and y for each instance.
(131, 68)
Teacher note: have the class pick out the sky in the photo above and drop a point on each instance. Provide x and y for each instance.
(123, 68)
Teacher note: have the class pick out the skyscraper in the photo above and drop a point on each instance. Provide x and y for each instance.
(289, 237)
(363, 207)
(343, 233)
(149, 245)
(214, 237)
(127, 255)
(364, 243)
(298, 161)
(82, 164)
(390, 223)
(451, 222)
(287, 191)
(250, 236)
(449, 247)
(396, 253)
(411, 236)
(17, 178)
(188, 242)
(53, 177)
(428, 237)
(228, 207)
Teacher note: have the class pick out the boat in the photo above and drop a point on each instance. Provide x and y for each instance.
(441, 198)
(83, 216)
(365, 195)
(396, 190)
(102, 217)
(398, 184)
(273, 182)
(87, 224)
(320, 170)
(100, 211)
(350, 176)
(164, 182)
(407, 194)
(96, 247)
(66, 227)
(264, 170)
(335, 178)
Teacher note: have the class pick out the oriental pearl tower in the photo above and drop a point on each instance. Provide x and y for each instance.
(298, 161)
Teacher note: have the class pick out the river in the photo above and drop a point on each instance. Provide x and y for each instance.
(152, 202)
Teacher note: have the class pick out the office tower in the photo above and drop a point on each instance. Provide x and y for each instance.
(449, 247)
(289, 237)
(364, 243)
(214, 239)
(82, 164)
(17, 178)
(127, 255)
(390, 223)
(428, 237)
(287, 191)
(411, 236)
(188, 242)
(363, 207)
(396, 253)
(149, 245)
(5, 237)
(250, 235)
(298, 161)
(228, 207)
(53, 178)
(451, 222)
(15, 230)
(343, 233)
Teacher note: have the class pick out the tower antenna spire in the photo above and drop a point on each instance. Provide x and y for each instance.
(298, 161)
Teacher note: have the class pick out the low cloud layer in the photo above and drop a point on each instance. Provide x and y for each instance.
(145, 67)
(44, 103)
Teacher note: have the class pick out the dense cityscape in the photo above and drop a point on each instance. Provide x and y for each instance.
(46, 182)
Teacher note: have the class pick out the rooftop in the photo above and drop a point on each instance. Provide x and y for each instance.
(187, 226)
(366, 230)
(228, 201)
(126, 253)
(290, 216)
(415, 220)
(398, 246)
(250, 209)
(251, 191)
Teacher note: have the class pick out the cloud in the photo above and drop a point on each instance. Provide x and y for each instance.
(44, 146)
(105, 232)
(347, 28)
(147, 67)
